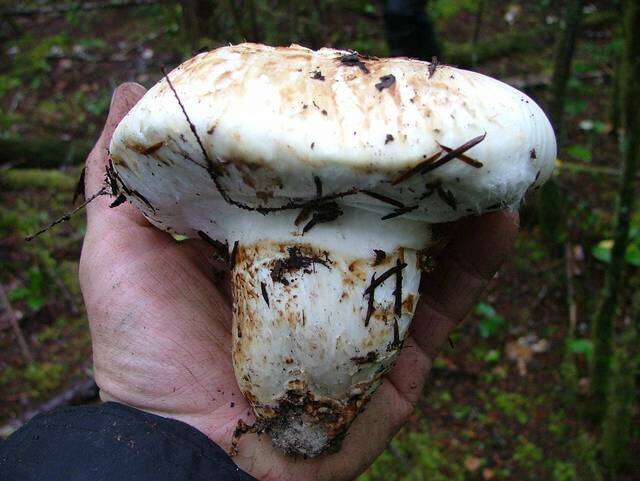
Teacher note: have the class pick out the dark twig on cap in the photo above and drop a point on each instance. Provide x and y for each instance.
(399, 212)
(455, 153)
(430, 188)
(143, 199)
(383, 198)
(386, 81)
(447, 197)
(210, 164)
(371, 356)
(466, 159)
(375, 283)
(214, 172)
(398, 291)
(325, 212)
(232, 257)
(222, 250)
(380, 256)
(265, 296)
(434, 161)
(371, 300)
(304, 214)
(396, 335)
(417, 169)
(353, 60)
(296, 260)
(121, 199)
(318, 183)
(433, 66)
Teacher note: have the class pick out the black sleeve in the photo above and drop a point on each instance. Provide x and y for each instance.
(112, 442)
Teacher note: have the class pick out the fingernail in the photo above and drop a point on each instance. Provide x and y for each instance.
(113, 97)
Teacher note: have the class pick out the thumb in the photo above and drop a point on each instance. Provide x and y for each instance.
(124, 98)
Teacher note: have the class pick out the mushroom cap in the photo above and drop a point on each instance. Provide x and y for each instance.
(239, 144)
(281, 126)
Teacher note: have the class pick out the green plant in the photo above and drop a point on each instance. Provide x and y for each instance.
(446, 9)
(53, 331)
(580, 346)
(492, 356)
(491, 323)
(44, 376)
(584, 452)
(563, 471)
(512, 405)
(414, 456)
(8, 375)
(575, 106)
(527, 454)
(602, 251)
(32, 292)
(580, 152)
(557, 424)
(461, 411)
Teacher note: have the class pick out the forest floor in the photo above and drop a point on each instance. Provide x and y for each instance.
(504, 401)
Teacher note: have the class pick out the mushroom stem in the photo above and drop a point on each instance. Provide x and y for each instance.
(304, 354)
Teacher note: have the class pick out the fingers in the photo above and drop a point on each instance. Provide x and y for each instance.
(410, 371)
(462, 272)
(123, 99)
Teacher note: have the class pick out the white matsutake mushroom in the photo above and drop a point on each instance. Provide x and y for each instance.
(321, 172)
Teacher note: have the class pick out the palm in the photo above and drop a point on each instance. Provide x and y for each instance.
(161, 329)
(162, 343)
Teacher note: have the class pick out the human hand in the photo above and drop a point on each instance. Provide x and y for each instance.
(161, 326)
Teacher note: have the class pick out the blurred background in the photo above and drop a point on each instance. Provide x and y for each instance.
(540, 382)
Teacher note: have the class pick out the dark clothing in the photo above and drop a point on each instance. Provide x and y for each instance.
(112, 442)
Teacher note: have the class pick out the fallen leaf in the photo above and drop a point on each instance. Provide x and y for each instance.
(472, 463)
(522, 350)
(541, 346)
(583, 385)
(520, 354)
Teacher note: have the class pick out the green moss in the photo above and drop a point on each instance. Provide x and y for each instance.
(414, 456)
(563, 471)
(527, 454)
(43, 377)
(19, 179)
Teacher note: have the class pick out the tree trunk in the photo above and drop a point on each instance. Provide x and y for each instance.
(630, 143)
(615, 99)
(410, 31)
(617, 432)
(199, 22)
(554, 221)
(256, 31)
(476, 32)
(562, 66)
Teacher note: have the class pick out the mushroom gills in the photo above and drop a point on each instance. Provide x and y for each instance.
(314, 333)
